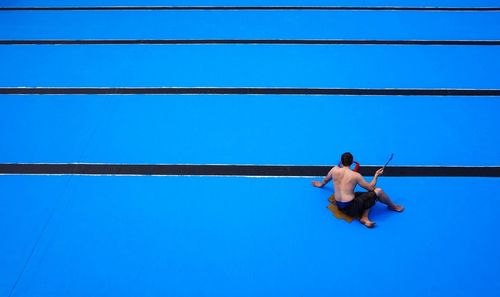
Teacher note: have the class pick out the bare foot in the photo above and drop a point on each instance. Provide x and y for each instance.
(397, 208)
(367, 223)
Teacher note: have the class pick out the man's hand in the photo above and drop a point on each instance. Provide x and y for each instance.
(379, 172)
(318, 184)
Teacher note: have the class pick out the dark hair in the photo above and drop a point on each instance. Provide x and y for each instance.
(347, 159)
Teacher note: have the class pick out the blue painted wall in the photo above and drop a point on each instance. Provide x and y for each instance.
(233, 129)
(477, 3)
(249, 24)
(250, 66)
(249, 129)
(200, 236)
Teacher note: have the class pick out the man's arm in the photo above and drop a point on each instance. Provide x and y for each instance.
(327, 178)
(370, 186)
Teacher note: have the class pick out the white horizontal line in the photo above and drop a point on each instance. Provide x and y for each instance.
(157, 175)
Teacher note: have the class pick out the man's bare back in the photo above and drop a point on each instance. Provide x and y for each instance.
(344, 182)
(357, 204)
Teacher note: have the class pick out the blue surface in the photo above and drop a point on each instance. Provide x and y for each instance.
(220, 236)
(451, 3)
(26, 203)
(249, 129)
(249, 25)
(200, 236)
(250, 66)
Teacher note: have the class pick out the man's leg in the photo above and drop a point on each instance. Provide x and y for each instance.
(382, 197)
(365, 220)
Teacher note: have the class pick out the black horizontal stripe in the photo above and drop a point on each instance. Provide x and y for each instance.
(245, 91)
(331, 8)
(248, 41)
(237, 170)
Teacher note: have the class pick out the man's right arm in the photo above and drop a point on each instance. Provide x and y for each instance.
(327, 178)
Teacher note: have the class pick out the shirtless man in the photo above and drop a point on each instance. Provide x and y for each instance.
(356, 204)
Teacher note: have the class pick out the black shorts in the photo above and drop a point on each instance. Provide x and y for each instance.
(361, 202)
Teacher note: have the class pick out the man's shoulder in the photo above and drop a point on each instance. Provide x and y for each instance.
(334, 168)
(355, 175)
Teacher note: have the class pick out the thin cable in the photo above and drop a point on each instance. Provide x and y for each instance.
(40, 236)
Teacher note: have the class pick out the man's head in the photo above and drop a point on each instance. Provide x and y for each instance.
(346, 159)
